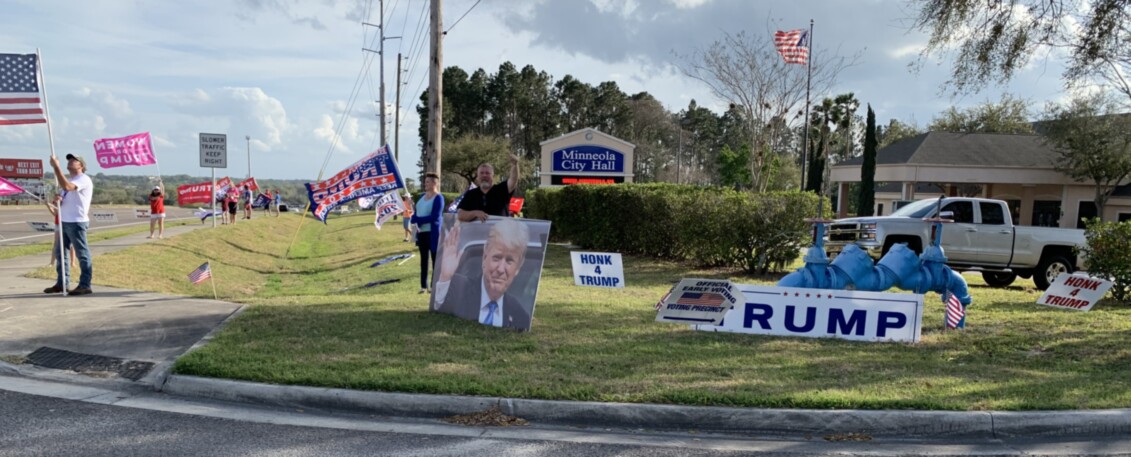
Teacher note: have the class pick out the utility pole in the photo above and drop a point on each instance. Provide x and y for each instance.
(248, 138)
(435, 89)
(397, 116)
(381, 55)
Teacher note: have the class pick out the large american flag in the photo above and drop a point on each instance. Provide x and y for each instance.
(20, 102)
(200, 274)
(793, 45)
(955, 313)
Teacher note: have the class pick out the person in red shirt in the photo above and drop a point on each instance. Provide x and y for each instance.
(157, 212)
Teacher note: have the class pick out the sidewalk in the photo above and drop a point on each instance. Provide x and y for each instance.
(150, 328)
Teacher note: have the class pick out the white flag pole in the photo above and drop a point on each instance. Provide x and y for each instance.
(64, 264)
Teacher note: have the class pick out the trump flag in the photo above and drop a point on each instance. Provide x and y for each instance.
(389, 205)
(128, 150)
(374, 174)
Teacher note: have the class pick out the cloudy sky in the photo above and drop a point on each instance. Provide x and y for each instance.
(283, 71)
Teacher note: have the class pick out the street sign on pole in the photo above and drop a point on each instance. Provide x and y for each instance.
(213, 150)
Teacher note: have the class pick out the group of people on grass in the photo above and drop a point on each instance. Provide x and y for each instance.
(231, 200)
(71, 209)
(486, 199)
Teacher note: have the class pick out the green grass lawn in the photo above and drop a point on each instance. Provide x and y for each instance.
(310, 323)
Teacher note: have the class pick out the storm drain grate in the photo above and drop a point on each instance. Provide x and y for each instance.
(88, 363)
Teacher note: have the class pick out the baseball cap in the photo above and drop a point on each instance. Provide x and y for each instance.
(78, 158)
(156, 187)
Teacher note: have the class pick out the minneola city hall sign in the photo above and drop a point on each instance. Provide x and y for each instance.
(586, 156)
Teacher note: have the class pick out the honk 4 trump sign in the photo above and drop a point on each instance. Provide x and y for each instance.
(128, 150)
(597, 269)
(1075, 291)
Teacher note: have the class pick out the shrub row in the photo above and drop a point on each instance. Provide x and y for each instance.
(1108, 255)
(713, 227)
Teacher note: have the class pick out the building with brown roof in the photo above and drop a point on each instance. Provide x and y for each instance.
(1015, 168)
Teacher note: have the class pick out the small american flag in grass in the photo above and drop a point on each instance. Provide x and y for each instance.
(954, 311)
(200, 274)
(695, 298)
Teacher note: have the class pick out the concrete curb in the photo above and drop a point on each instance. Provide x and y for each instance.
(777, 422)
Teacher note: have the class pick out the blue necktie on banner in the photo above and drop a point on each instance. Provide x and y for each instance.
(491, 308)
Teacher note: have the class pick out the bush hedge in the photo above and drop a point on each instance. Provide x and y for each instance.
(1108, 255)
(710, 226)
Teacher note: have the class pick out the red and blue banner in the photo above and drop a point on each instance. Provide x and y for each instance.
(374, 174)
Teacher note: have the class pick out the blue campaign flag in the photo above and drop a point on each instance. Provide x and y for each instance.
(374, 174)
(455, 203)
(261, 201)
(390, 259)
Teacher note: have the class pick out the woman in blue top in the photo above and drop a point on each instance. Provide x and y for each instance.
(429, 208)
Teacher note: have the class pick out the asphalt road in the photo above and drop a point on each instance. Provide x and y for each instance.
(110, 418)
(15, 230)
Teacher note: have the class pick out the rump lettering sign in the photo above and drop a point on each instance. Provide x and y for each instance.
(821, 313)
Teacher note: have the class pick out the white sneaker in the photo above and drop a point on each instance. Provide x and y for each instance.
(422, 291)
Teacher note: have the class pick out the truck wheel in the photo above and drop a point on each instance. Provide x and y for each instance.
(998, 279)
(1049, 268)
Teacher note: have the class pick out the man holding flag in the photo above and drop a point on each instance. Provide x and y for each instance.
(77, 189)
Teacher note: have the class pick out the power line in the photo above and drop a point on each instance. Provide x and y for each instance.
(461, 17)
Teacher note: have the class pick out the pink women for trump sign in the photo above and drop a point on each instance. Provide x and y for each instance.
(128, 150)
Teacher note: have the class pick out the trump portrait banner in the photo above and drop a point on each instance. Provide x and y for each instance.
(128, 150)
(821, 313)
(488, 272)
(374, 174)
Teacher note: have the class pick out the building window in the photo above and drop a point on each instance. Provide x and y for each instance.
(1046, 213)
(1087, 211)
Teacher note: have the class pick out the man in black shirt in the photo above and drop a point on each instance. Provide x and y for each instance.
(489, 199)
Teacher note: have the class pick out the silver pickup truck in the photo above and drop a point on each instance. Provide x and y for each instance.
(981, 238)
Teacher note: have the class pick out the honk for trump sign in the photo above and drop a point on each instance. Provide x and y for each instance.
(597, 269)
(1075, 291)
(128, 150)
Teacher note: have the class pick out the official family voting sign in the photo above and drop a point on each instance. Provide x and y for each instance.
(41, 226)
(821, 313)
(597, 269)
(699, 301)
(1075, 291)
(104, 216)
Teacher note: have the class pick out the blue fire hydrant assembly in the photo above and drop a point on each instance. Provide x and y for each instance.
(900, 267)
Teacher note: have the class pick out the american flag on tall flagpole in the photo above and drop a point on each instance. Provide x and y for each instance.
(793, 45)
(200, 274)
(20, 102)
(954, 310)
